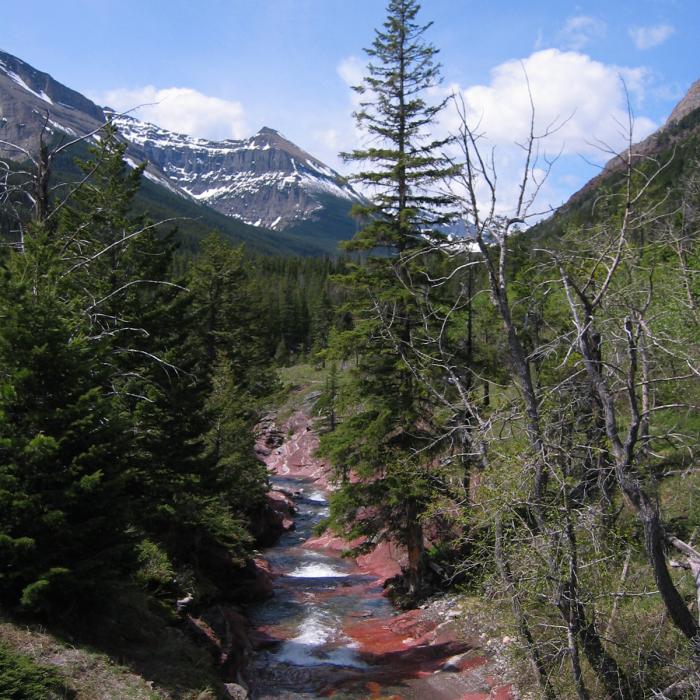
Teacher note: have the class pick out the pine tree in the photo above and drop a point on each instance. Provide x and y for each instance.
(403, 169)
(327, 402)
(63, 449)
(406, 161)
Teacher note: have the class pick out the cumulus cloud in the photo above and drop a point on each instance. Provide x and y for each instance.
(585, 98)
(580, 30)
(582, 101)
(180, 109)
(649, 37)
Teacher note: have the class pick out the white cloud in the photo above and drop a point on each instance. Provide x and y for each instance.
(649, 37)
(327, 143)
(180, 109)
(329, 138)
(580, 30)
(584, 97)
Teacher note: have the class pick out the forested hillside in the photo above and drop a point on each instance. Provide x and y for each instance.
(523, 413)
(516, 410)
(129, 393)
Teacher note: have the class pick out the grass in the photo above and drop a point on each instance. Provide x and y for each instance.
(129, 652)
(23, 679)
(35, 665)
(299, 384)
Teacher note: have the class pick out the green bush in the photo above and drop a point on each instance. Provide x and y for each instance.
(155, 568)
(22, 679)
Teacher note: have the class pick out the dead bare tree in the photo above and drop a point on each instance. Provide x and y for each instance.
(591, 438)
(621, 289)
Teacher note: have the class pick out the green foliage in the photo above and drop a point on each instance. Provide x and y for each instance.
(22, 679)
(298, 303)
(127, 401)
(389, 420)
(155, 570)
(403, 165)
(327, 403)
(63, 445)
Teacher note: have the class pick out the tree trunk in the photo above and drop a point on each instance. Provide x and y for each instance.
(416, 553)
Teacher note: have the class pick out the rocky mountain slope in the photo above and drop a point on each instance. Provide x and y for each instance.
(688, 104)
(30, 100)
(265, 181)
(671, 154)
(674, 144)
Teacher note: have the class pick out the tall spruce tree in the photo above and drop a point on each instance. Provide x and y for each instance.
(402, 168)
(404, 163)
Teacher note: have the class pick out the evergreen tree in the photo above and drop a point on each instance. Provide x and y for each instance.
(403, 168)
(127, 400)
(327, 402)
(406, 161)
(63, 449)
(194, 407)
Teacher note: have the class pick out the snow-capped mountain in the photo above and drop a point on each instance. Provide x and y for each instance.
(266, 180)
(31, 100)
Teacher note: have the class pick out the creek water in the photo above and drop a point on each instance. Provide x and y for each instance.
(328, 631)
(316, 594)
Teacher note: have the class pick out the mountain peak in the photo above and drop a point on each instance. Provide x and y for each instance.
(30, 95)
(688, 104)
(265, 180)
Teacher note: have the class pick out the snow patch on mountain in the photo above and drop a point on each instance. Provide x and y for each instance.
(15, 78)
(61, 127)
(265, 180)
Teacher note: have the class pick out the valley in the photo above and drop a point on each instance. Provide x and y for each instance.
(408, 412)
(329, 630)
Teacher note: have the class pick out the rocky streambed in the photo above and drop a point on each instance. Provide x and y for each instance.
(329, 630)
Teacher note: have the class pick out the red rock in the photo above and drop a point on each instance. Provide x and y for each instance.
(327, 541)
(263, 578)
(403, 650)
(395, 634)
(470, 664)
(295, 456)
(384, 561)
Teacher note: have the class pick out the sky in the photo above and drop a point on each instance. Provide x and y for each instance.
(226, 68)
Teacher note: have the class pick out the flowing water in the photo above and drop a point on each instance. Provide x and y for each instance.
(316, 595)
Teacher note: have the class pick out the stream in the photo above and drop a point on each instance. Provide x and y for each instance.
(315, 594)
(328, 631)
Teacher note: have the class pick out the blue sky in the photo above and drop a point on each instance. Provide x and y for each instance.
(225, 68)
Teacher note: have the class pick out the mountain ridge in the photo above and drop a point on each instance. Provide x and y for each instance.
(265, 181)
(667, 157)
(679, 130)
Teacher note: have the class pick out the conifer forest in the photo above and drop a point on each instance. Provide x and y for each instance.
(454, 457)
